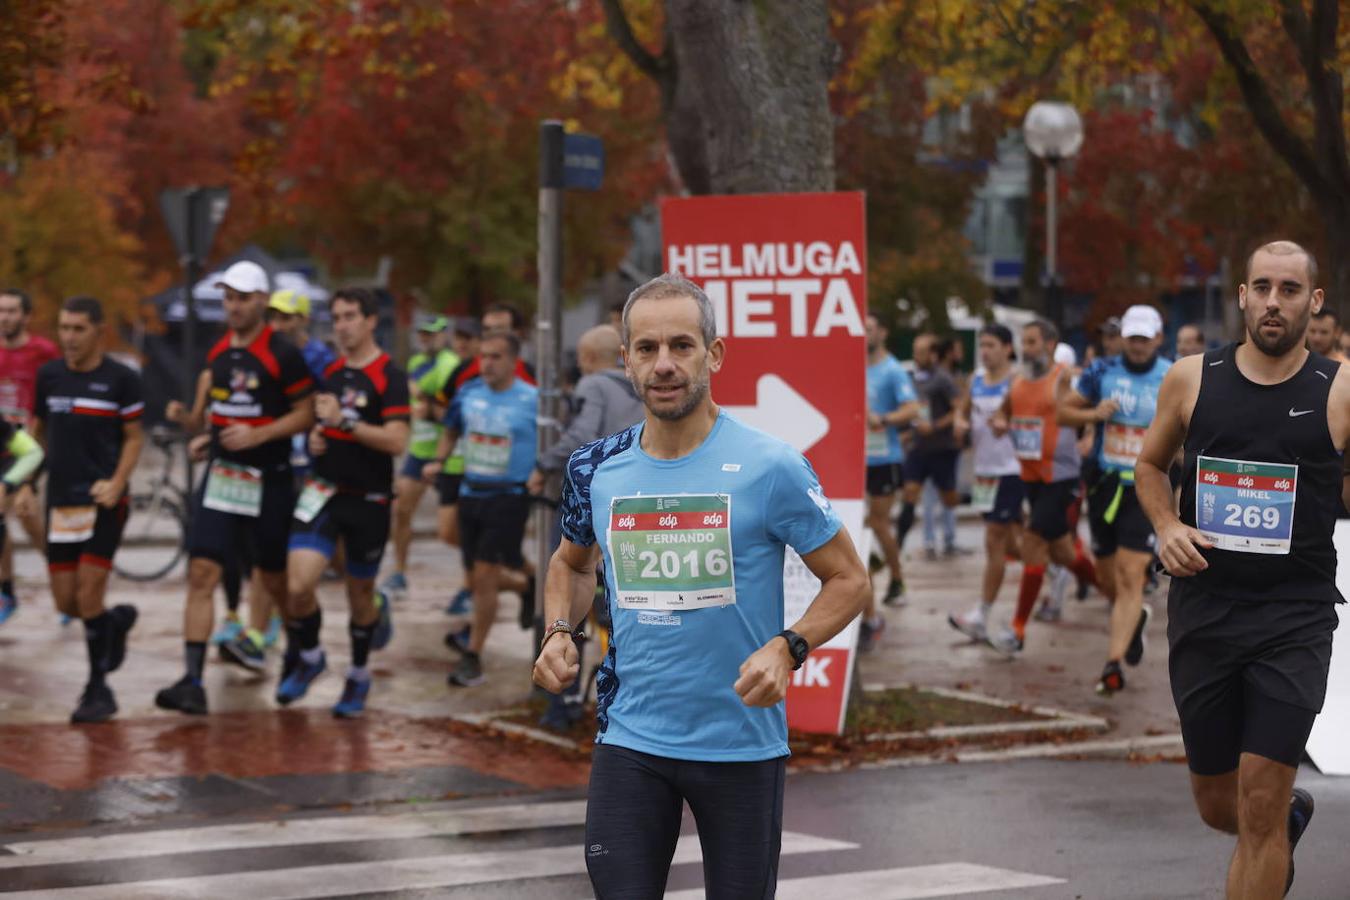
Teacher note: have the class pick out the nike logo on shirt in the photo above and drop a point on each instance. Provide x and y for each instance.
(1295, 414)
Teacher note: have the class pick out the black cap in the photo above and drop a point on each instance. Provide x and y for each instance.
(468, 326)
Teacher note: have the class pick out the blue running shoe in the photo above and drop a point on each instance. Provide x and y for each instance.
(228, 631)
(395, 586)
(245, 651)
(353, 701)
(273, 632)
(298, 682)
(461, 604)
(8, 606)
(384, 625)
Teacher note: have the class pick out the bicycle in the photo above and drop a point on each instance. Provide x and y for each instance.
(154, 539)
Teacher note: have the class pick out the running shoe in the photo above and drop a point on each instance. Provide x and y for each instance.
(297, 683)
(273, 632)
(353, 701)
(1112, 680)
(1139, 642)
(1300, 814)
(96, 705)
(868, 632)
(1048, 611)
(1151, 583)
(458, 641)
(66, 620)
(461, 604)
(895, 593)
(185, 696)
(1006, 641)
(230, 629)
(956, 550)
(123, 617)
(874, 564)
(970, 624)
(384, 624)
(8, 606)
(527, 604)
(469, 672)
(395, 586)
(246, 651)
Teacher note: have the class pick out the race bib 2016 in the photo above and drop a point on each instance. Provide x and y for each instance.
(672, 552)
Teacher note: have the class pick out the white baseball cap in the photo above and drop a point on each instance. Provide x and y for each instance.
(1065, 356)
(245, 277)
(1141, 321)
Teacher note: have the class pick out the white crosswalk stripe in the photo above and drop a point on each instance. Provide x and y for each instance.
(153, 862)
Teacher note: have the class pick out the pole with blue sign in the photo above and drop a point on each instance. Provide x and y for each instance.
(566, 161)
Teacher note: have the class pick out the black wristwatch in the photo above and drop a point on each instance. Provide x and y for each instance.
(797, 646)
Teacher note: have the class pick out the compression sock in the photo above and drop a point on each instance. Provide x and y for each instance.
(361, 636)
(308, 628)
(195, 655)
(904, 523)
(1032, 577)
(97, 636)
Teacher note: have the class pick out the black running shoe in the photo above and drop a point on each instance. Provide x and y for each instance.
(895, 593)
(1112, 680)
(123, 618)
(1300, 814)
(96, 705)
(469, 672)
(1139, 642)
(185, 696)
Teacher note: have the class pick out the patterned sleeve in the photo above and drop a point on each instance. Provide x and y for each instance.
(575, 509)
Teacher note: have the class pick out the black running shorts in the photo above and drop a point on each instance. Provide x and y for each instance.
(1128, 526)
(361, 522)
(633, 810)
(1050, 505)
(491, 529)
(230, 539)
(96, 550)
(884, 479)
(1246, 677)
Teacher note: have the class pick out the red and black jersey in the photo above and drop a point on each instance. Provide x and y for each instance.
(82, 416)
(255, 385)
(18, 376)
(374, 394)
(473, 368)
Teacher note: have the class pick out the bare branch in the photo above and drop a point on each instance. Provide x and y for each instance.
(1265, 112)
(658, 67)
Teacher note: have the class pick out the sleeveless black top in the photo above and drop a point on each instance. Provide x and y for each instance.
(1237, 420)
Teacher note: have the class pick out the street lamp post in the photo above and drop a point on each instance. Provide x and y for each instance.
(1053, 132)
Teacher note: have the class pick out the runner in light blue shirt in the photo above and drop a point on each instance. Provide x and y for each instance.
(693, 512)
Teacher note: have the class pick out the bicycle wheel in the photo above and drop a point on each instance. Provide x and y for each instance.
(154, 539)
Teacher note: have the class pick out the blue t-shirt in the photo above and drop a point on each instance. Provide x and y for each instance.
(497, 434)
(666, 687)
(318, 356)
(888, 387)
(1119, 440)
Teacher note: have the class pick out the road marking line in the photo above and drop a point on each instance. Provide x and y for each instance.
(420, 873)
(295, 832)
(945, 880)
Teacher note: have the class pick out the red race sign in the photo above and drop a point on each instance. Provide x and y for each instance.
(787, 274)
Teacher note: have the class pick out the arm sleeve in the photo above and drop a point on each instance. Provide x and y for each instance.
(27, 458)
(803, 519)
(1090, 383)
(396, 400)
(584, 427)
(130, 401)
(454, 414)
(575, 509)
(296, 379)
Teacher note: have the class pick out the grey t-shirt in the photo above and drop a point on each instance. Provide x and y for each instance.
(937, 395)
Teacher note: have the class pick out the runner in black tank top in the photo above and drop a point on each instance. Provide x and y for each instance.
(1252, 605)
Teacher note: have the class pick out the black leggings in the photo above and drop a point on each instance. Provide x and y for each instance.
(633, 815)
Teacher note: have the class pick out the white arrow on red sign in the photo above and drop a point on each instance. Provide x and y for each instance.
(784, 413)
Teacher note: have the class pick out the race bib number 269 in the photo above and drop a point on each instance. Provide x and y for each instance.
(1244, 506)
(672, 552)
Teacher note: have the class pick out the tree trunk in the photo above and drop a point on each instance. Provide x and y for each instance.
(1335, 267)
(745, 92)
